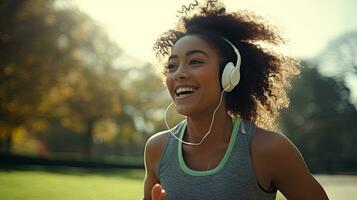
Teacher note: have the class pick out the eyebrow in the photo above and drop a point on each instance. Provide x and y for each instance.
(190, 53)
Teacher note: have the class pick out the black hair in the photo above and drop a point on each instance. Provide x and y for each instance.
(265, 74)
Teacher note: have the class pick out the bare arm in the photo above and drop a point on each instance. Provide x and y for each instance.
(290, 173)
(152, 155)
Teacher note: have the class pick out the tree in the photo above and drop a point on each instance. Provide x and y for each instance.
(340, 55)
(55, 62)
(322, 121)
(59, 76)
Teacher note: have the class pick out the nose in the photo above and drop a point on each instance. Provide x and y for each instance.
(181, 73)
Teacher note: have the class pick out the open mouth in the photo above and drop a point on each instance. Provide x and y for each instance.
(182, 92)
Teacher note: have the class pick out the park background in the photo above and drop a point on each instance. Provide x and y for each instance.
(80, 93)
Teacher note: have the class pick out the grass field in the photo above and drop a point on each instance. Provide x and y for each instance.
(37, 183)
(70, 184)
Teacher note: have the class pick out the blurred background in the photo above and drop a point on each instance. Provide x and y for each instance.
(79, 92)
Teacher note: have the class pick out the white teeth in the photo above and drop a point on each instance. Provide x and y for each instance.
(185, 89)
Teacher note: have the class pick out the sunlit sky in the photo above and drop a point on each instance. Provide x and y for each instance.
(307, 25)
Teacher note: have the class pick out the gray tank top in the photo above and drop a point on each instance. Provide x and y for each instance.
(232, 178)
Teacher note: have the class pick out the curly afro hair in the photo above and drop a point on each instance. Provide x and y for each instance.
(265, 74)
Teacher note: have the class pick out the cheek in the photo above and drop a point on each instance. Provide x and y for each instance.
(168, 81)
(213, 80)
(169, 84)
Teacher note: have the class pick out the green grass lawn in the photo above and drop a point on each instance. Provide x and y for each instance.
(70, 184)
(38, 183)
(65, 183)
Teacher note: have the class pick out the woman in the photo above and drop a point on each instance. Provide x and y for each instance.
(230, 89)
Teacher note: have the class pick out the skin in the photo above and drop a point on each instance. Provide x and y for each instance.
(194, 63)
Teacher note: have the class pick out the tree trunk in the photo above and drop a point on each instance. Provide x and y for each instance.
(7, 142)
(88, 145)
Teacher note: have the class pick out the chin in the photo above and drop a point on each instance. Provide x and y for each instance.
(183, 111)
(187, 110)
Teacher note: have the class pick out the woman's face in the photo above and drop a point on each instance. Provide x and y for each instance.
(192, 77)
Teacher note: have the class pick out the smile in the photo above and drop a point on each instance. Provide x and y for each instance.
(185, 91)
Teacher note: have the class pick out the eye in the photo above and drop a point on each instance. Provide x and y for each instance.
(194, 61)
(171, 66)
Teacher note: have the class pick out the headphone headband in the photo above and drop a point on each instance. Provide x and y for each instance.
(235, 51)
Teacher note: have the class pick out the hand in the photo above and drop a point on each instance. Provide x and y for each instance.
(158, 193)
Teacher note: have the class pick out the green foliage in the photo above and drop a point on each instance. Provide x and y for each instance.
(58, 76)
(322, 121)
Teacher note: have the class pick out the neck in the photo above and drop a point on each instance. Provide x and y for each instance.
(198, 126)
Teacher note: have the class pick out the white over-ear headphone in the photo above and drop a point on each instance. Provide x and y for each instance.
(231, 73)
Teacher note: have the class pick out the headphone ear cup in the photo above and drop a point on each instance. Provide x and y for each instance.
(226, 77)
(235, 76)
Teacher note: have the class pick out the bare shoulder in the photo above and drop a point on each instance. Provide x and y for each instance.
(155, 144)
(269, 142)
(157, 139)
(154, 148)
(276, 150)
(152, 154)
(269, 151)
(284, 166)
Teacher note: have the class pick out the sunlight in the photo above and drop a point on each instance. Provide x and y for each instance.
(306, 25)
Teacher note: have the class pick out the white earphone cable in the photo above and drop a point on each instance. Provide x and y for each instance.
(209, 130)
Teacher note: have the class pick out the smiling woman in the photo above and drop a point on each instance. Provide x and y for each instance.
(192, 65)
(261, 92)
(231, 91)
